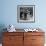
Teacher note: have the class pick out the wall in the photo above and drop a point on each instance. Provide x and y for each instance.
(9, 13)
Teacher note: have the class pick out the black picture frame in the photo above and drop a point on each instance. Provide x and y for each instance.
(25, 13)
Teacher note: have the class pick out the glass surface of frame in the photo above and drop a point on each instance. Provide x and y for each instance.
(26, 13)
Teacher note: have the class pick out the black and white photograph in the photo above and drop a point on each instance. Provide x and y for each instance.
(26, 13)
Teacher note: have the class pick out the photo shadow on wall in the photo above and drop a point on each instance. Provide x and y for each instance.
(2, 26)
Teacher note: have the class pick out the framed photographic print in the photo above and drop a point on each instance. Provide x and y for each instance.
(26, 13)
